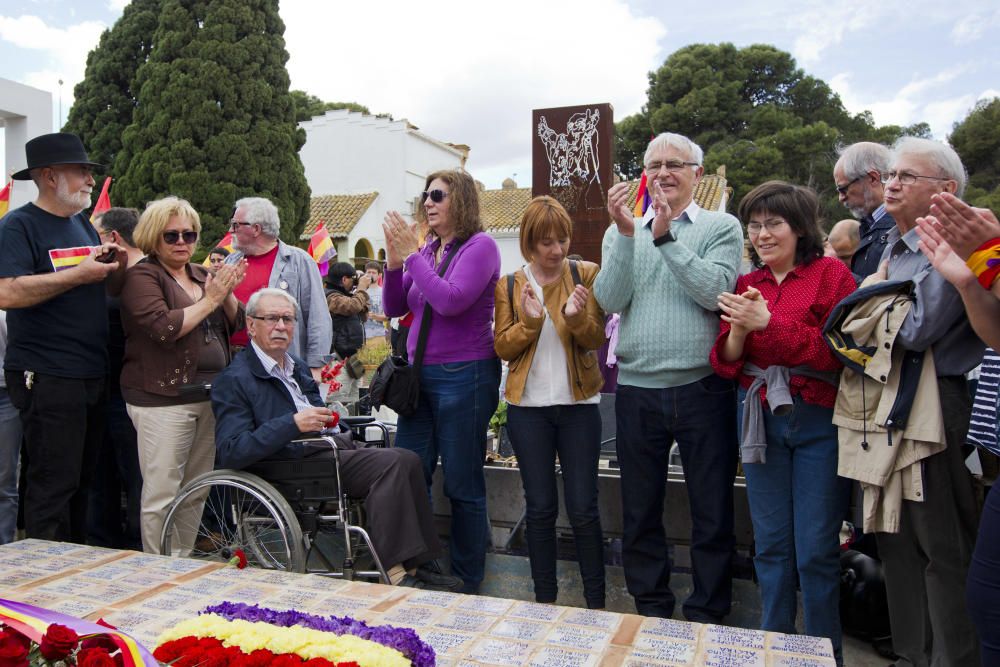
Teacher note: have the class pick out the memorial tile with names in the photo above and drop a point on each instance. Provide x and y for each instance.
(593, 618)
(486, 605)
(411, 615)
(668, 628)
(34, 596)
(670, 651)
(466, 621)
(536, 611)
(529, 631)
(584, 639)
(175, 600)
(435, 598)
(76, 607)
(448, 643)
(782, 660)
(819, 647)
(729, 656)
(108, 594)
(339, 605)
(731, 636)
(250, 593)
(556, 656)
(490, 651)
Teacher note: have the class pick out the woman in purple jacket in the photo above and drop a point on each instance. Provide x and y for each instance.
(460, 376)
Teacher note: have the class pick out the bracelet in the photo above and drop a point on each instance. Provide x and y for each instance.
(985, 262)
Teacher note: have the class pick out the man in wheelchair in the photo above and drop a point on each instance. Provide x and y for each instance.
(266, 399)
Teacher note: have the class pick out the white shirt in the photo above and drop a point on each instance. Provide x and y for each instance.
(548, 378)
(285, 375)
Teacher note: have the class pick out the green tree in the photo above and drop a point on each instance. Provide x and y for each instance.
(214, 119)
(307, 106)
(755, 111)
(977, 140)
(105, 100)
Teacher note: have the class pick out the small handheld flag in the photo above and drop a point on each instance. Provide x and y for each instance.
(103, 202)
(321, 248)
(642, 198)
(5, 198)
(225, 242)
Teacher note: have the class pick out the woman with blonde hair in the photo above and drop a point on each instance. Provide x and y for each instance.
(177, 318)
(448, 285)
(548, 326)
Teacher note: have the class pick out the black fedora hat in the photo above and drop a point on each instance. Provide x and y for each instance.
(55, 148)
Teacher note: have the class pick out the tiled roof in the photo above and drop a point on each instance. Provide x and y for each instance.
(501, 210)
(707, 194)
(338, 212)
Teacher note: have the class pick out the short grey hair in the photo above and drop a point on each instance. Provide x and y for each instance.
(858, 159)
(260, 211)
(678, 141)
(254, 301)
(940, 154)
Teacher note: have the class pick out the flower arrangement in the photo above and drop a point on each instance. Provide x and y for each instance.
(31, 636)
(241, 635)
(329, 374)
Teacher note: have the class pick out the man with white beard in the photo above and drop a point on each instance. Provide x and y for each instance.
(857, 177)
(53, 270)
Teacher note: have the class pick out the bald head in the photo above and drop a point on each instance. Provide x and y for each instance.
(843, 240)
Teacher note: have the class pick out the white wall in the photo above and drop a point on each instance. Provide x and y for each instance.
(347, 152)
(26, 113)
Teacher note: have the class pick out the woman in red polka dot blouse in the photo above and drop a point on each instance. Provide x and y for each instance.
(771, 340)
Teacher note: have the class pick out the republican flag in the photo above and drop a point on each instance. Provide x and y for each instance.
(67, 258)
(226, 242)
(321, 248)
(103, 202)
(642, 199)
(5, 198)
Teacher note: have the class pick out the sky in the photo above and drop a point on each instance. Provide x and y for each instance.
(471, 72)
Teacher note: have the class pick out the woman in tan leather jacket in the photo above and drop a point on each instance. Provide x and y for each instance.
(548, 326)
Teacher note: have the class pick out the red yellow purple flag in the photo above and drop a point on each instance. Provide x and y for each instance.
(642, 199)
(321, 248)
(5, 198)
(67, 258)
(103, 202)
(225, 242)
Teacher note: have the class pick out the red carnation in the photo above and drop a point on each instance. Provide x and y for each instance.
(215, 657)
(170, 651)
(94, 657)
(58, 642)
(239, 559)
(13, 653)
(286, 660)
(260, 658)
(318, 662)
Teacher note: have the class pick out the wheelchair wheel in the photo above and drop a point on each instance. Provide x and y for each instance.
(226, 512)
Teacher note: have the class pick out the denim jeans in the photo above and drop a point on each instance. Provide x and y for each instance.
(574, 433)
(456, 402)
(10, 449)
(701, 416)
(796, 505)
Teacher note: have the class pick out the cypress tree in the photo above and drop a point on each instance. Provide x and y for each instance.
(104, 99)
(215, 120)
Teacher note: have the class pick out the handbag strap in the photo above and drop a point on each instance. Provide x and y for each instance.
(425, 321)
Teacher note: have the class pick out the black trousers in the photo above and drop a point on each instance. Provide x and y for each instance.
(701, 416)
(117, 470)
(63, 422)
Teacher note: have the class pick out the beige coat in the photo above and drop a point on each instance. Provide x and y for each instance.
(889, 469)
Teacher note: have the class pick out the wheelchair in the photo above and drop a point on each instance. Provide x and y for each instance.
(275, 513)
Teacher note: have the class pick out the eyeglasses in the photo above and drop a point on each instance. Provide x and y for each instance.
(906, 178)
(842, 189)
(233, 224)
(436, 196)
(172, 237)
(672, 166)
(272, 320)
(770, 225)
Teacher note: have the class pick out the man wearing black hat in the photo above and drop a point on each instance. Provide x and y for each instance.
(53, 266)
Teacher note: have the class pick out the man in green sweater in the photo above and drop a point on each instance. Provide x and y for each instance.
(663, 274)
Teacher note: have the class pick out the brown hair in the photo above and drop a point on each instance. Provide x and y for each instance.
(156, 217)
(544, 217)
(798, 205)
(463, 209)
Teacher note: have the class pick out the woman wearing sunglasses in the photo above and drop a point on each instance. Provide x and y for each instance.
(460, 374)
(177, 318)
(548, 326)
(772, 327)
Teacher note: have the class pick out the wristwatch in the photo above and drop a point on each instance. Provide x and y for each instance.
(666, 238)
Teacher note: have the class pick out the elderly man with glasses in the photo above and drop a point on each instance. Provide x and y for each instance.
(857, 177)
(273, 263)
(664, 273)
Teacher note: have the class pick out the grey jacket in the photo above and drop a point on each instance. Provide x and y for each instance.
(297, 273)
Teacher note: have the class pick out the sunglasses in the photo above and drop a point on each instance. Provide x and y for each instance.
(436, 196)
(842, 189)
(172, 237)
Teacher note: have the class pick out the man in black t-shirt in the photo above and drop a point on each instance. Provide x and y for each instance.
(53, 267)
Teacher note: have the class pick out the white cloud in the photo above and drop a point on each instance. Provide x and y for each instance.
(825, 25)
(471, 73)
(117, 5)
(971, 27)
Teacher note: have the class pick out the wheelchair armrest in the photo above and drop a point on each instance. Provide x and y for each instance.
(360, 420)
(306, 439)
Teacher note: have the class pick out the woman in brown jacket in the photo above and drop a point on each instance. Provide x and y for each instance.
(548, 332)
(177, 319)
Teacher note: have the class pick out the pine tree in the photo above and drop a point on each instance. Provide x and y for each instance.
(214, 119)
(105, 100)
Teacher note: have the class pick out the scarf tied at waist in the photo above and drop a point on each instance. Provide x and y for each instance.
(779, 399)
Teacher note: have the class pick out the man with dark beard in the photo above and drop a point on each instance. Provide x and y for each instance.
(53, 267)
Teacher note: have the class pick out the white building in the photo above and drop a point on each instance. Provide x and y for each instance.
(25, 113)
(359, 167)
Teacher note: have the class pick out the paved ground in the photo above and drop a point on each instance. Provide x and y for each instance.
(510, 577)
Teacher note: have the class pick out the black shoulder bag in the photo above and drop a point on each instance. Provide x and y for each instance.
(396, 383)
